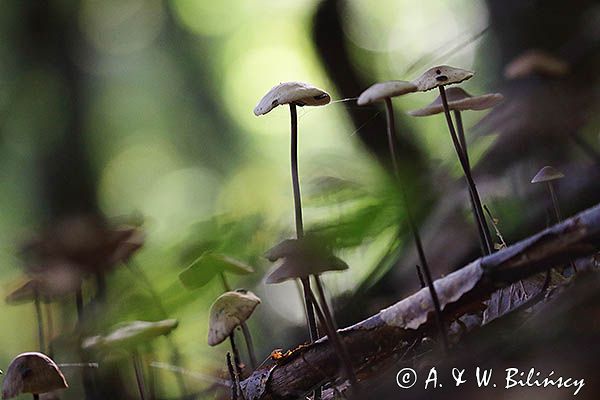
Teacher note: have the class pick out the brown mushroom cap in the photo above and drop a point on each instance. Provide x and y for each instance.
(230, 310)
(460, 100)
(383, 90)
(547, 174)
(54, 280)
(535, 61)
(440, 76)
(32, 373)
(300, 258)
(298, 93)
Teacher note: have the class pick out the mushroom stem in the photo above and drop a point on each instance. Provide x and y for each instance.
(49, 326)
(249, 345)
(332, 333)
(36, 396)
(554, 201)
(420, 276)
(40, 321)
(100, 287)
(236, 355)
(482, 227)
(234, 392)
(413, 227)
(467, 171)
(310, 314)
(139, 377)
(226, 285)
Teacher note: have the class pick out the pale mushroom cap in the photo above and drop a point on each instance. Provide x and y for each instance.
(460, 100)
(535, 62)
(547, 174)
(229, 311)
(32, 373)
(131, 334)
(383, 90)
(291, 268)
(441, 76)
(298, 93)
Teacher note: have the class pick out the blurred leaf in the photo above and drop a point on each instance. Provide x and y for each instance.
(205, 267)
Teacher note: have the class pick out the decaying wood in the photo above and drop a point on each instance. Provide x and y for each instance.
(394, 330)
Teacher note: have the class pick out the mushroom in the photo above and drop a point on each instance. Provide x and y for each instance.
(535, 61)
(230, 310)
(204, 269)
(439, 77)
(548, 175)
(299, 259)
(296, 94)
(384, 91)
(128, 336)
(34, 373)
(459, 100)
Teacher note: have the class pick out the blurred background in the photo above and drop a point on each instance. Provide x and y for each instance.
(139, 112)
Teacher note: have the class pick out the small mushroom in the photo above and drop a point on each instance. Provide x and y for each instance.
(299, 259)
(204, 268)
(536, 62)
(230, 310)
(34, 373)
(129, 336)
(548, 175)
(296, 94)
(440, 77)
(385, 91)
(459, 100)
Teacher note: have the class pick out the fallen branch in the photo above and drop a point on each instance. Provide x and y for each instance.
(395, 329)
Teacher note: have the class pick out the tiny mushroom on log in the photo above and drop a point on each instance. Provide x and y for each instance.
(439, 77)
(129, 336)
(299, 259)
(296, 94)
(230, 310)
(384, 91)
(548, 175)
(34, 373)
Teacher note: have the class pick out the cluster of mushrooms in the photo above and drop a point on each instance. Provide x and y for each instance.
(59, 260)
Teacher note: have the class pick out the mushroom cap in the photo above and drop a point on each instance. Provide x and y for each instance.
(230, 310)
(300, 258)
(440, 76)
(382, 90)
(298, 93)
(209, 264)
(32, 373)
(547, 174)
(130, 334)
(460, 100)
(535, 61)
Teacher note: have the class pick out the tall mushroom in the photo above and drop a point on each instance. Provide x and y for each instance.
(384, 91)
(205, 268)
(439, 77)
(34, 373)
(230, 310)
(296, 94)
(459, 100)
(299, 259)
(129, 336)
